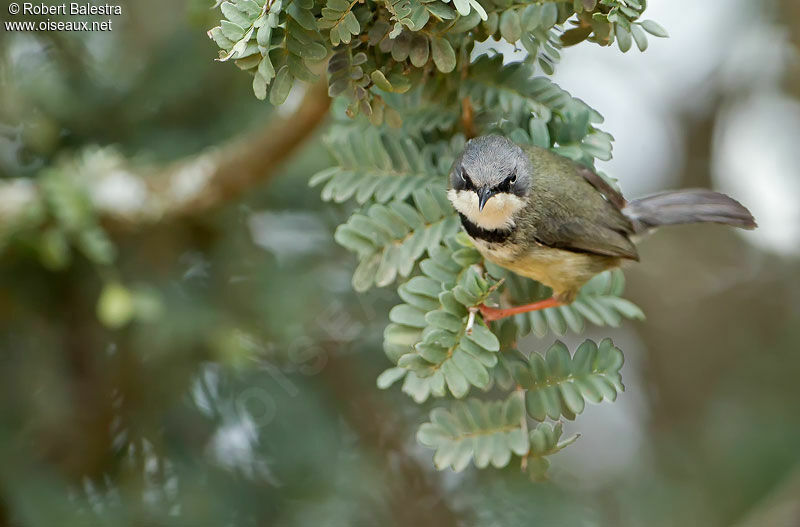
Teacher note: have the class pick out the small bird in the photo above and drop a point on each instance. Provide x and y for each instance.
(548, 218)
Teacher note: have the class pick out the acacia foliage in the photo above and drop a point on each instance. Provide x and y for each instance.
(410, 86)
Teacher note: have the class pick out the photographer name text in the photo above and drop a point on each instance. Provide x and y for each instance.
(72, 9)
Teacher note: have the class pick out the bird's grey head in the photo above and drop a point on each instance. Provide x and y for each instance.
(491, 165)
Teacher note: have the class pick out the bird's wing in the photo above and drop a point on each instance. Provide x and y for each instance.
(602, 186)
(575, 209)
(586, 235)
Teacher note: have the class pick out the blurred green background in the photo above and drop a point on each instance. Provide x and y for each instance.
(243, 391)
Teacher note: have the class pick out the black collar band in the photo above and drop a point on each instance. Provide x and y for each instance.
(479, 233)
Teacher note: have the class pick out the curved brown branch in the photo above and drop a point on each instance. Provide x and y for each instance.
(129, 196)
(245, 163)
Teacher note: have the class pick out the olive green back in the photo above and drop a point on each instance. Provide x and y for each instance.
(566, 211)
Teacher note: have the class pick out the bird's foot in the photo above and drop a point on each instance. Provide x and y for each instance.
(493, 313)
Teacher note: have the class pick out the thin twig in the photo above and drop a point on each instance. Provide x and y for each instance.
(467, 118)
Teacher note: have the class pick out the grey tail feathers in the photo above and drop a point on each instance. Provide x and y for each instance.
(687, 206)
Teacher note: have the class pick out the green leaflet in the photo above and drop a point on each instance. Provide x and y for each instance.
(276, 45)
(409, 13)
(422, 112)
(389, 239)
(337, 16)
(510, 25)
(654, 28)
(510, 88)
(482, 432)
(464, 7)
(443, 55)
(545, 440)
(532, 109)
(347, 77)
(429, 335)
(411, 213)
(380, 166)
(558, 384)
(302, 30)
(490, 432)
(617, 20)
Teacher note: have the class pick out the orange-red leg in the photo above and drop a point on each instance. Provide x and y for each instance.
(493, 313)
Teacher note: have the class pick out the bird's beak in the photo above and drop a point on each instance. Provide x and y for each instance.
(484, 193)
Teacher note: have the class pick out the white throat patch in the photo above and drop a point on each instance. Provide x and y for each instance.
(498, 213)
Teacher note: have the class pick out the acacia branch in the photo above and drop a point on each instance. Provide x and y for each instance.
(248, 162)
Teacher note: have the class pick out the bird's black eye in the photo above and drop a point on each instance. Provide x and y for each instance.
(463, 175)
(505, 186)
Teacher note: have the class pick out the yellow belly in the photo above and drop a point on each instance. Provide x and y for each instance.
(565, 272)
